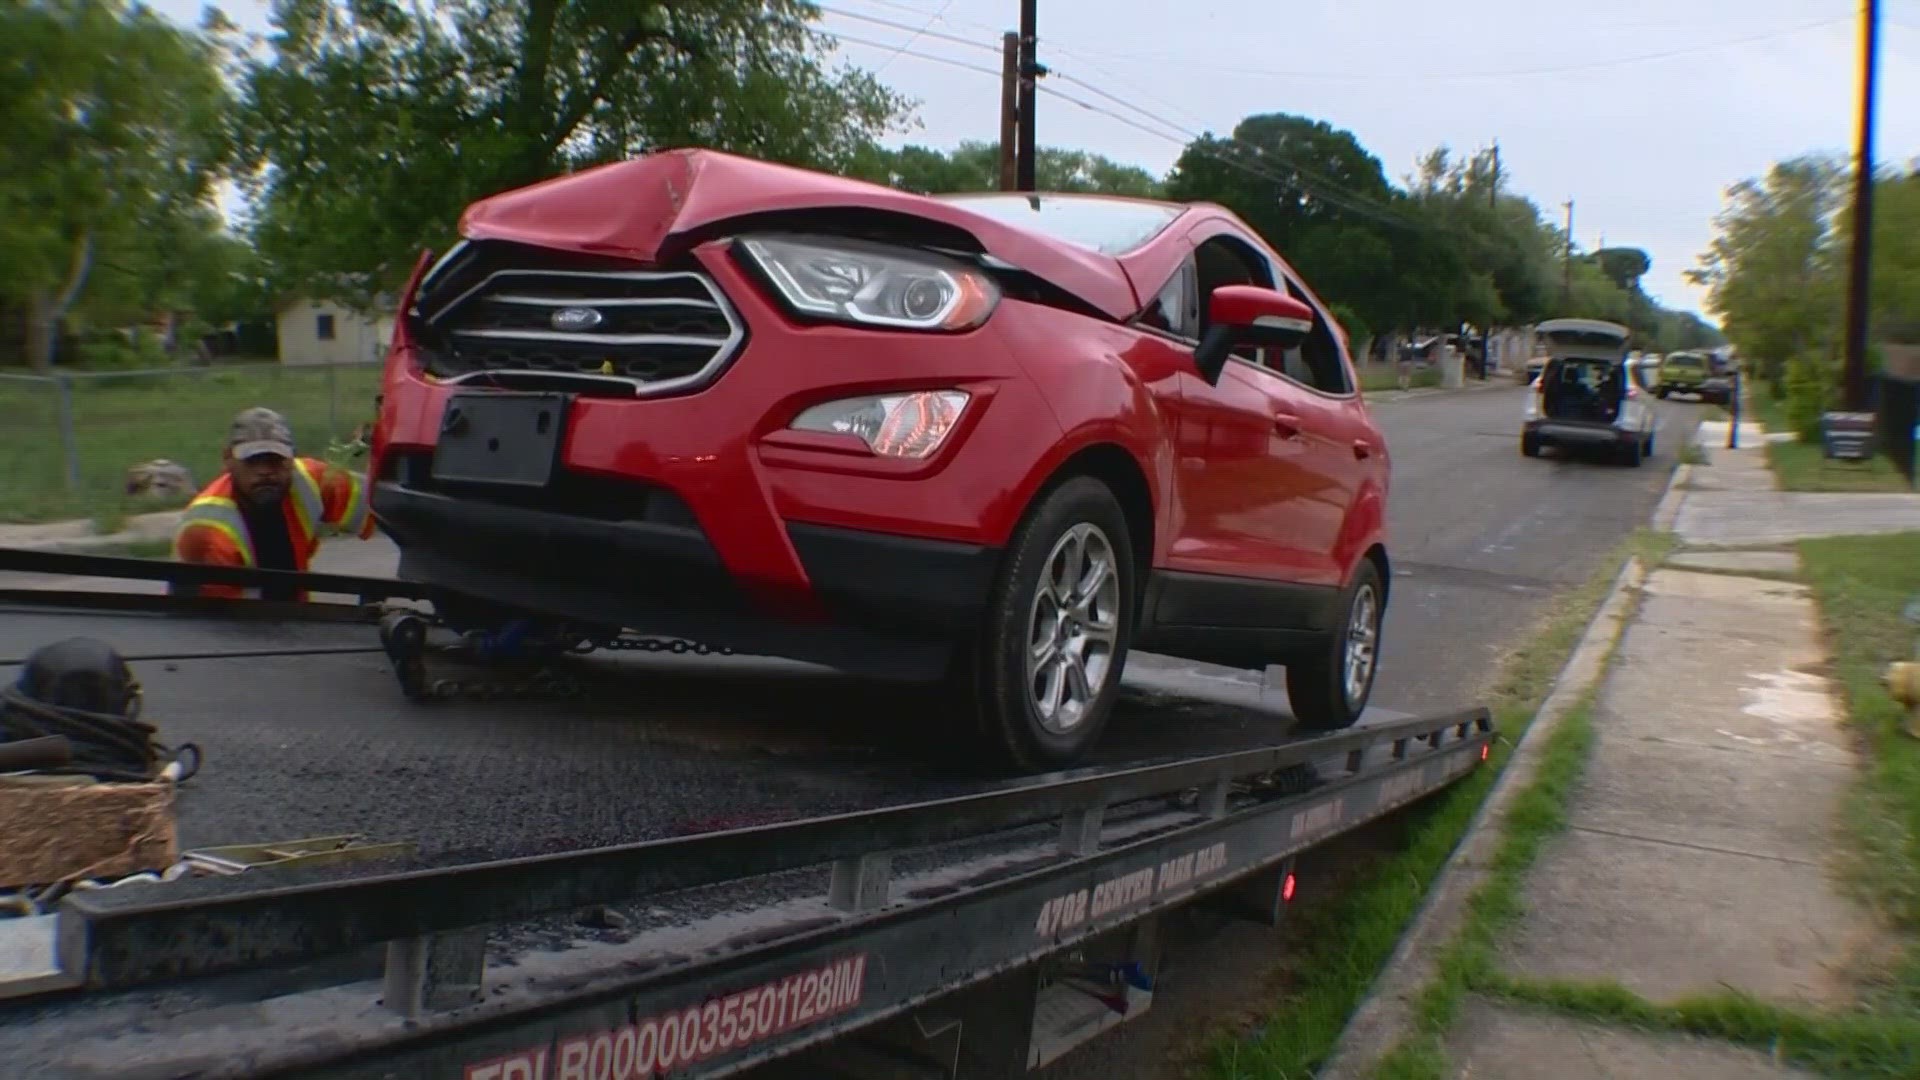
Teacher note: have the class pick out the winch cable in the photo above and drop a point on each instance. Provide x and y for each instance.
(105, 746)
(82, 691)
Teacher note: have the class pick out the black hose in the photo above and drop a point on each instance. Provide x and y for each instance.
(105, 746)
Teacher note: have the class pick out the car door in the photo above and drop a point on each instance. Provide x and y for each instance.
(1330, 442)
(1229, 472)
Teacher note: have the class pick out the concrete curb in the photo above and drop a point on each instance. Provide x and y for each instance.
(1386, 1014)
(1668, 511)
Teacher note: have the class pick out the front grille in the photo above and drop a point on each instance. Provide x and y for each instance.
(496, 312)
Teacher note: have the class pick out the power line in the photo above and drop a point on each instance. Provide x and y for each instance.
(1309, 182)
(924, 31)
(918, 31)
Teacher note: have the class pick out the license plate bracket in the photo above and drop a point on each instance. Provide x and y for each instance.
(501, 437)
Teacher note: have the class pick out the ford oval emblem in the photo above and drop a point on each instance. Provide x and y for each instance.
(577, 318)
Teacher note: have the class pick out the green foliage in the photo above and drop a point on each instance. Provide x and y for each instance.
(1810, 392)
(1774, 270)
(115, 134)
(1624, 266)
(376, 122)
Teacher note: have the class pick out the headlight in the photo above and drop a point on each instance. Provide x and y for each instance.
(905, 425)
(873, 284)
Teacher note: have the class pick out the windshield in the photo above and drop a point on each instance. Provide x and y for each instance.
(1685, 361)
(1108, 226)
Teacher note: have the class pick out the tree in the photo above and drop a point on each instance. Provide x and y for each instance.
(114, 138)
(376, 122)
(1317, 196)
(1770, 270)
(1624, 266)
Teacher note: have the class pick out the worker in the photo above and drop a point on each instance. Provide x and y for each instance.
(268, 507)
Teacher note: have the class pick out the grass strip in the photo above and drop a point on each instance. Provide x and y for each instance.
(1537, 814)
(1346, 943)
(1861, 1045)
(1805, 466)
(1862, 584)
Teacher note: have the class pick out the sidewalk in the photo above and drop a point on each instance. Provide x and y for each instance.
(1696, 857)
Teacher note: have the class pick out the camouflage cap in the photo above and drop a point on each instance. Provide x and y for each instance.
(258, 431)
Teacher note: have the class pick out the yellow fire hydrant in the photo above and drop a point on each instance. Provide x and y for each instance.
(1903, 682)
(1902, 677)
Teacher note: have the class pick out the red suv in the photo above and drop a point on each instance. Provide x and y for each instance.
(995, 439)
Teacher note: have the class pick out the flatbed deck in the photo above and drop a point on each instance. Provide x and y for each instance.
(691, 834)
(323, 744)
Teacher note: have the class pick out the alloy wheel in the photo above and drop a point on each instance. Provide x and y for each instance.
(1363, 637)
(1073, 627)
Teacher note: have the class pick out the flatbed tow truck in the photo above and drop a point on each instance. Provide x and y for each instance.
(588, 897)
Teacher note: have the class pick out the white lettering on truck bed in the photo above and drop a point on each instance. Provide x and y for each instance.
(1129, 889)
(664, 1043)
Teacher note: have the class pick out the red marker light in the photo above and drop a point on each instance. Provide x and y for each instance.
(1486, 751)
(1286, 888)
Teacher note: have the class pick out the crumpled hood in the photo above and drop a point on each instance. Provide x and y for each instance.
(635, 209)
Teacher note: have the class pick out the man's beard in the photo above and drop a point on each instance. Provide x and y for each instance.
(265, 495)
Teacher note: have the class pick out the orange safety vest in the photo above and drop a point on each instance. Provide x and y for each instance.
(213, 531)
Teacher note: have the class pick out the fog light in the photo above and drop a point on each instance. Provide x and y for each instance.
(909, 425)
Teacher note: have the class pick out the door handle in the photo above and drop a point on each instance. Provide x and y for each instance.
(1362, 449)
(1287, 424)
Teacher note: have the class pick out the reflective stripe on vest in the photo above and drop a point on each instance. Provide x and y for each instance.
(357, 509)
(309, 509)
(219, 513)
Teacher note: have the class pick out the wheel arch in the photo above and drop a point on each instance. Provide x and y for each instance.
(1377, 555)
(1117, 468)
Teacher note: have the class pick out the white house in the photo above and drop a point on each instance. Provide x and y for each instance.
(328, 332)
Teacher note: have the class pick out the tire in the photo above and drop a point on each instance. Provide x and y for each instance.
(1663, 392)
(999, 684)
(1530, 445)
(1317, 683)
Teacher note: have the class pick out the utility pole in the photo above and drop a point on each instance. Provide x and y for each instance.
(1009, 109)
(1566, 284)
(1861, 272)
(1493, 189)
(1029, 75)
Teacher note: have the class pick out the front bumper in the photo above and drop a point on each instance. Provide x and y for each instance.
(886, 604)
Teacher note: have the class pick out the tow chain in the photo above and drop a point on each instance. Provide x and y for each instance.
(627, 643)
(409, 652)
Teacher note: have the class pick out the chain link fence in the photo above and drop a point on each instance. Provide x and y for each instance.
(68, 439)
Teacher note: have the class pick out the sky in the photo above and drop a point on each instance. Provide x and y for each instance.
(1640, 112)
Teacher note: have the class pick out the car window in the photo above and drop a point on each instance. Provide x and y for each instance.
(1176, 308)
(1317, 361)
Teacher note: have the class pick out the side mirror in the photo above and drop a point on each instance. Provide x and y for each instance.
(1240, 315)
